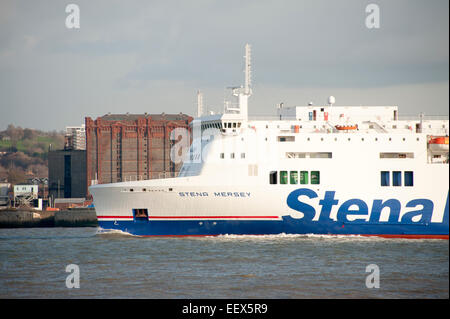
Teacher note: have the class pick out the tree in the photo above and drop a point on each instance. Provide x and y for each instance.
(28, 134)
(16, 176)
(15, 133)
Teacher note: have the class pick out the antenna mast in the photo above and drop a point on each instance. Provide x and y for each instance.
(248, 69)
(199, 104)
(243, 93)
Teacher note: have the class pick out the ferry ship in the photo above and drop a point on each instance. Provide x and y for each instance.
(327, 169)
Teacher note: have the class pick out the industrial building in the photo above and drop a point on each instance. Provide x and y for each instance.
(123, 147)
(67, 173)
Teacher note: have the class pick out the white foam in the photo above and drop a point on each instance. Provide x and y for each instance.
(101, 231)
(284, 236)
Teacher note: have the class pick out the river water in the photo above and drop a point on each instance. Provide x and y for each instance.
(33, 264)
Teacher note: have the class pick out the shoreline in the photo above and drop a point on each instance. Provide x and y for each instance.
(25, 218)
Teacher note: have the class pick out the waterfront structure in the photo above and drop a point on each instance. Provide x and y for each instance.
(24, 195)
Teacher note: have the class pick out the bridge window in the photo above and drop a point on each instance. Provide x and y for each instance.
(286, 138)
(397, 178)
(303, 177)
(283, 177)
(294, 177)
(273, 177)
(385, 178)
(409, 178)
(315, 177)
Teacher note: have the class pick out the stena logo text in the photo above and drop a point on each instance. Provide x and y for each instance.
(417, 211)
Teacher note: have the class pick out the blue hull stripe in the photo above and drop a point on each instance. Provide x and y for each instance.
(287, 225)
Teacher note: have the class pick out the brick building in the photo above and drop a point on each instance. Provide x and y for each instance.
(124, 147)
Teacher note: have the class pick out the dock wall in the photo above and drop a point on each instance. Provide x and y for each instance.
(79, 217)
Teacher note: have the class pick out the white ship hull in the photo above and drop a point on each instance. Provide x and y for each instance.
(227, 198)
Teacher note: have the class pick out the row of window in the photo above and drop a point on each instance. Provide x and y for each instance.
(219, 125)
(232, 124)
(327, 155)
(396, 176)
(232, 155)
(292, 139)
(145, 190)
(212, 125)
(295, 177)
(371, 126)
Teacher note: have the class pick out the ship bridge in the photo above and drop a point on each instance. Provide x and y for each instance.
(228, 124)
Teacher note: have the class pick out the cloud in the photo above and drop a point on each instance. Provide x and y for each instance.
(152, 56)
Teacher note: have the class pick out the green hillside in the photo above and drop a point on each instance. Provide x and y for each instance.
(24, 152)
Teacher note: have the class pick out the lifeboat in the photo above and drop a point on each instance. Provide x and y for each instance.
(438, 144)
(346, 127)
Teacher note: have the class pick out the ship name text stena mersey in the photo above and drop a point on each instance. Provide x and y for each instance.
(337, 170)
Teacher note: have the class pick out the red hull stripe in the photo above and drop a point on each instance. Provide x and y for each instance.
(411, 236)
(216, 217)
(189, 217)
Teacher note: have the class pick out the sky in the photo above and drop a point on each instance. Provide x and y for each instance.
(153, 56)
